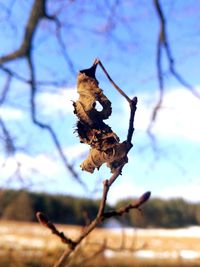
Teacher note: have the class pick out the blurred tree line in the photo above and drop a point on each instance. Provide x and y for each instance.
(22, 206)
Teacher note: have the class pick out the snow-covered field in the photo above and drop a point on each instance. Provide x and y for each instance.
(150, 254)
(192, 231)
(174, 244)
(182, 243)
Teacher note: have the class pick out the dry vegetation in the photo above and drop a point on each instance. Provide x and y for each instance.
(29, 244)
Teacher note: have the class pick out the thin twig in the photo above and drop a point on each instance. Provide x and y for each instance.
(48, 127)
(94, 255)
(5, 90)
(10, 147)
(133, 107)
(61, 42)
(47, 223)
(97, 61)
(164, 44)
(38, 12)
(135, 205)
(102, 215)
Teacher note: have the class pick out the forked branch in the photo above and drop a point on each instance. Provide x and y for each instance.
(164, 48)
(97, 61)
(37, 14)
(91, 123)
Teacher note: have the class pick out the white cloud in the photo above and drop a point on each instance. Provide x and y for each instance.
(10, 113)
(40, 163)
(177, 118)
(124, 190)
(189, 192)
(57, 102)
(77, 151)
(180, 115)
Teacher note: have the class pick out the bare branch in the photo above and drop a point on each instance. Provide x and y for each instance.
(8, 140)
(163, 44)
(10, 147)
(37, 13)
(102, 215)
(5, 89)
(48, 127)
(25, 80)
(14, 74)
(136, 205)
(97, 61)
(133, 107)
(47, 223)
(62, 44)
(102, 248)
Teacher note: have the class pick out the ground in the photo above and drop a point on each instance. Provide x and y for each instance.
(30, 244)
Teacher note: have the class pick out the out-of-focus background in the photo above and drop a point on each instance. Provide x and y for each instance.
(151, 50)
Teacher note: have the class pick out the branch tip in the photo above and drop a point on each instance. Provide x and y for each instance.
(144, 198)
(42, 218)
(134, 100)
(96, 61)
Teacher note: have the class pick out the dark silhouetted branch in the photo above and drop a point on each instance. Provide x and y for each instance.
(5, 89)
(47, 223)
(48, 127)
(164, 44)
(38, 12)
(97, 61)
(102, 214)
(136, 205)
(8, 140)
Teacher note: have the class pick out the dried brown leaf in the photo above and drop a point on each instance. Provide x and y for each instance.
(105, 144)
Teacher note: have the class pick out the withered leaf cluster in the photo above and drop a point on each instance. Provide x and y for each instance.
(105, 144)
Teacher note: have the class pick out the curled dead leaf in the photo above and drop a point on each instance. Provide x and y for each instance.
(105, 144)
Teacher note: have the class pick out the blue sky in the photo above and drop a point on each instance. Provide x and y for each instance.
(171, 168)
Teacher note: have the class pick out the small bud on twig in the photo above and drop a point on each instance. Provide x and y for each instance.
(144, 198)
(47, 223)
(42, 218)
